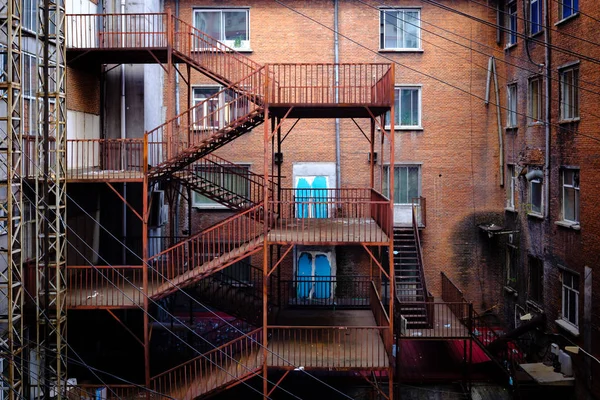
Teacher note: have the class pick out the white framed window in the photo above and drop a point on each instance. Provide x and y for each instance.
(511, 105)
(30, 86)
(407, 108)
(407, 183)
(231, 26)
(570, 297)
(511, 187)
(234, 180)
(535, 16)
(570, 195)
(511, 23)
(569, 93)
(535, 113)
(30, 12)
(568, 8)
(205, 115)
(400, 29)
(536, 196)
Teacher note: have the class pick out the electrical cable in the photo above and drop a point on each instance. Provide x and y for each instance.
(431, 76)
(163, 325)
(543, 95)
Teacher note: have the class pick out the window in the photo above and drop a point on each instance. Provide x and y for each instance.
(512, 265)
(406, 183)
(400, 29)
(568, 8)
(511, 23)
(30, 10)
(234, 179)
(511, 112)
(569, 94)
(570, 195)
(535, 112)
(407, 108)
(536, 196)
(29, 82)
(535, 16)
(511, 187)
(205, 115)
(536, 280)
(570, 297)
(230, 26)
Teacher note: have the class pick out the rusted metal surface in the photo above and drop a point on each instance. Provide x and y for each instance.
(332, 347)
(347, 291)
(231, 363)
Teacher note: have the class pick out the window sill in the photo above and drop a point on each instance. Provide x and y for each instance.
(511, 209)
(401, 50)
(404, 128)
(535, 215)
(568, 121)
(567, 326)
(537, 123)
(511, 129)
(509, 47)
(570, 17)
(568, 224)
(538, 33)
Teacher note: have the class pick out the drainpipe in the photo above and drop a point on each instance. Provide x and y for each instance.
(336, 60)
(123, 136)
(177, 111)
(547, 106)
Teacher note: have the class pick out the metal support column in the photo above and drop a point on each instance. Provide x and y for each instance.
(11, 202)
(51, 210)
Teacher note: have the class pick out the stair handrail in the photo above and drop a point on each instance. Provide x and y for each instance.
(253, 336)
(178, 143)
(426, 295)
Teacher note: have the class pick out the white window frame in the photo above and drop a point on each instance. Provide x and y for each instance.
(245, 44)
(573, 186)
(511, 188)
(535, 99)
(511, 105)
(27, 80)
(562, 6)
(511, 23)
(535, 6)
(569, 93)
(531, 211)
(213, 205)
(397, 95)
(568, 290)
(399, 20)
(386, 179)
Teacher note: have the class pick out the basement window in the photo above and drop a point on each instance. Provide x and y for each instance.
(230, 26)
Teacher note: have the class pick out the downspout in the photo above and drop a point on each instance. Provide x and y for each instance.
(177, 108)
(547, 117)
(123, 137)
(336, 60)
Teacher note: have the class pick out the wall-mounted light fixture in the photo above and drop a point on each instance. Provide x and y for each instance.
(278, 158)
(374, 157)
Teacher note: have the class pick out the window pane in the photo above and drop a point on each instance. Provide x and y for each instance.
(400, 185)
(406, 107)
(235, 25)
(536, 196)
(569, 207)
(386, 181)
(209, 22)
(413, 183)
(411, 29)
(390, 30)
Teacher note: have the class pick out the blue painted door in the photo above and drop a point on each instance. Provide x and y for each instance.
(304, 275)
(319, 197)
(322, 277)
(303, 192)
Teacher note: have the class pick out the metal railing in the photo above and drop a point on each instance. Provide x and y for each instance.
(117, 31)
(304, 214)
(419, 208)
(344, 291)
(214, 248)
(333, 347)
(233, 361)
(109, 392)
(448, 321)
(225, 113)
(104, 286)
(316, 84)
(94, 159)
(427, 296)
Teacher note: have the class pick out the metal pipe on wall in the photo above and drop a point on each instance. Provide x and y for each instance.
(123, 155)
(547, 106)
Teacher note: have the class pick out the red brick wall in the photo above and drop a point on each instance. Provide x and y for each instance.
(83, 91)
(457, 148)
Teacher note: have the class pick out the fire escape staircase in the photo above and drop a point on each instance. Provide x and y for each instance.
(411, 288)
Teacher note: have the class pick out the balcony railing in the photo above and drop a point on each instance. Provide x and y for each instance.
(448, 321)
(316, 84)
(117, 31)
(347, 291)
(331, 215)
(106, 159)
(338, 347)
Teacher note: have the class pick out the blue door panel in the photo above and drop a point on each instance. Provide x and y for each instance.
(322, 276)
(319, 194)
(304, 275)
(302, 198)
